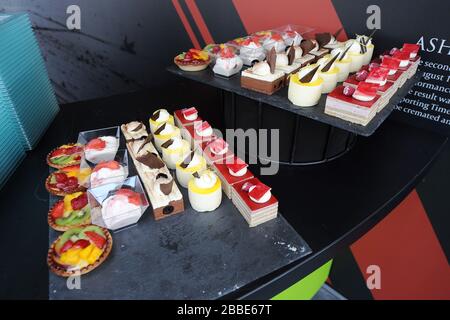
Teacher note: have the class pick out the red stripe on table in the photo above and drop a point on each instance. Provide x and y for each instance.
(405, 247)
(186, 25)
(267, 14)
(195, 12)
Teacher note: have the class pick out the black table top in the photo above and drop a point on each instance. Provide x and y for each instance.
(329, 205)
(279, 99)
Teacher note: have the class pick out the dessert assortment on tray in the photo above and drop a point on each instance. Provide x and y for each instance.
(91, 177)
(311, 65)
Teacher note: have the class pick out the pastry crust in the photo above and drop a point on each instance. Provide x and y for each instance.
(55, 268)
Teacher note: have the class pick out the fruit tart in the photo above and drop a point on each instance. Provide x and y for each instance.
(65, 155)
(193, 60)
(66, 181)
(79, 250)
(72, 211)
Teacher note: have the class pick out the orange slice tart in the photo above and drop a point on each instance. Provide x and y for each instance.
(79, 250)
(72, 211)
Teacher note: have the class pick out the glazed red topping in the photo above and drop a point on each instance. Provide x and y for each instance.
(390, 63)
(79, 202)
(202, 126)
(373, 65)
(348, 91)
(218, 145)
(250, 40)
(58, 210)
(81, 243)
(66, 151)
(362, 75)
(112, 165)
(60, 177)
(378, 74)
(95, 238)
(72, 181)
(189, 111)
(401, 55)
(246, 186)
(133, 197)
(67, 245)
(277, 37)
(259, 191)
(227, 53)
(393, 51)
(236, 165)
(369, 89)
(96, 144)
(410, 48)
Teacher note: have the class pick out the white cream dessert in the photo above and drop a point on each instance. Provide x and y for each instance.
(158, 118)
(305, 87)
(328, 72)
(274, 41)
(227, 63)
(101, 149)
(165, 132)
(355, 54)
(122, 209)
(286, 62)
(251, 50)
(367, 42)
(134, 130)
(329, 41)
(205, 191)
(261, 71)
(343, 63)
(194, 162)
(174, 151)
(107, 172)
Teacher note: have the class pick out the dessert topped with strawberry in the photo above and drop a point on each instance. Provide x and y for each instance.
(193, 60)
(65, 155)
(412, 49)
(251, 51)
(292, 38)
(107, 172)
(72, 211)
(403, 57)
(101, 149)
(365, 91)
(274, 41)
(203, 129)
(186, 116)
(391, 64)
(66, 180)
(190, 114)
(237, 167)
(79, 250)
(227, 63)
(257, 192)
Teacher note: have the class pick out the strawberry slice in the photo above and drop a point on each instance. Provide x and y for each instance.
(67, 245)
(57, 153)
(373, 65)
(96, 144)
(72, 181)
(79, 202)
(112, 165)
(96, 239)
(259, 191)
(58, 210)
(348, 91)
(361, 75)
(133, 197)
(60, 177)
(81, 243)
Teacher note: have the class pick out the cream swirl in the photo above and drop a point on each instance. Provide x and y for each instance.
(282, 60)
(261, 68)
(163, 115)
(207, 179)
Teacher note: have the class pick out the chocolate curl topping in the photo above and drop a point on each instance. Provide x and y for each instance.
(272, 59)
(161, 128)
(167, 144)
(344, 53)
(291, 55)
(309, 76)
(363, 46)
(187, 160)
(307, 46)
(155, 116)
(329, 64)
(166, 188)
(139, 127)
(337, 33)
(146, 141)
(151, 160)
(323, 38)
(196, 175)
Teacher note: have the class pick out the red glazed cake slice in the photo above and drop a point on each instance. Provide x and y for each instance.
(186, 117)
(346, 103)
(216, 150)
(234, 170)
(255, 201)
(198, 133)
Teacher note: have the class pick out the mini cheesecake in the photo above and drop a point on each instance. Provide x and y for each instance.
(255, 201)
(158, 118)
(230, 172)
(343, 62)
(198, 133)
(107, 172)
(165, 132)
(216, 150)
(205, 192)
(174, 151)
(386, 89)
(356, 54)
(358, 105)
(186, 117)
(194, 162)
(305, 87)
(101, 149)
(263, 77)
(328, 72)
